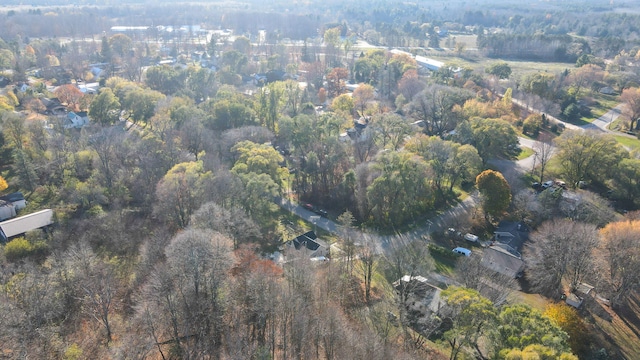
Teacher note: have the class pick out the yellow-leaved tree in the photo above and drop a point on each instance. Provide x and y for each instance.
(3, 184)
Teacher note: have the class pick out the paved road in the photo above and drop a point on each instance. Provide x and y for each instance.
(385, 243)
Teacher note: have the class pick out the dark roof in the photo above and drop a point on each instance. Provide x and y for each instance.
(514, 234)
(16, 196)
(306, 240)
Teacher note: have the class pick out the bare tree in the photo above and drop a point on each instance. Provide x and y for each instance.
(490, 284)
(559, 250)
(543, 152)
(368, 265)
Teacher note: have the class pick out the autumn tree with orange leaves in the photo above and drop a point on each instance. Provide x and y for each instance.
(619, 259)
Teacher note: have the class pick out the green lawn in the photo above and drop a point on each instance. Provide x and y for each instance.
(602, 104)
(525, 153)
(443, 265)
(631, 143)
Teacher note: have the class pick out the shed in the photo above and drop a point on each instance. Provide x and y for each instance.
(574, 300)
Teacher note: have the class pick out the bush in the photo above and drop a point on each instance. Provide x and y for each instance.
(21, 248)
(436, 250)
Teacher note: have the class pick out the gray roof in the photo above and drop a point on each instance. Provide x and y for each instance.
(500, 259)
(22, 224)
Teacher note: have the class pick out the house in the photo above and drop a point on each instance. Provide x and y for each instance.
(514, 234)
(310, 243)
(16, 198)
(22, 87)
(89, 88)
(75, 120)
(503, 259)
(23, 224)
(7, 210)
(4, 81)
(607, 90)
(53, 106)
(419, 295)
(430, 64)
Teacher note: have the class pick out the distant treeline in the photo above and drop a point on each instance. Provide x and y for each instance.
(563, 48)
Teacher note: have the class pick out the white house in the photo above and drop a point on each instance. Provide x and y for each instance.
(76, 120)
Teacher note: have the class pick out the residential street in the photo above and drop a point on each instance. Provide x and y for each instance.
(602, 123)
(385, 243)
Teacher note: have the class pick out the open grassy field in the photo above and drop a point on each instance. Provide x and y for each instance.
(629, 143)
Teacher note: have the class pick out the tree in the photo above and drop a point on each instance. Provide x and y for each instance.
(496, 192)
(521, 327)
(392, 129)
(344, 105)
(69, 94)
(568, 319)
(544, 150)
(471, 316)
(532, 125)
(3, 184)
(166, 79)
(232, 222)
(181, 304)
(120, 44)
(336, 81)
(501, 70)
(141, 104)
(631, 98)
(450, 161)
(627, 180)
(362, 95)
(491, 137)
(181, 192)
(401, 189)
(619, 259)
(434, 107)
(105, 108)
(587, 156)
(368, 264)
(560, 251)
(259, 159)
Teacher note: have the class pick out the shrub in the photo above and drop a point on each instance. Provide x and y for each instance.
(21, 248)
(436, 250)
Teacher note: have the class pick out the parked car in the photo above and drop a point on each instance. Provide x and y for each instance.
(309, 207)
(471, 237)
(561, 183)
(547, 184)
(535, 185)
(462, 251)
(321, 212)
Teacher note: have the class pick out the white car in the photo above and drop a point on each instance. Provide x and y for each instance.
(471, 237)
(462, 251)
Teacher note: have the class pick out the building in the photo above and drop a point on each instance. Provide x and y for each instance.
(503, 259)
(309, 242)
(75, 120)
(23, 224)
(430, 64)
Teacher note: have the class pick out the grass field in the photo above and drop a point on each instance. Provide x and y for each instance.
(525, 153)
(630, 143)
(601, 104)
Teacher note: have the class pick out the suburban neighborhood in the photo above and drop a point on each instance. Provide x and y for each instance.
(320, 180)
